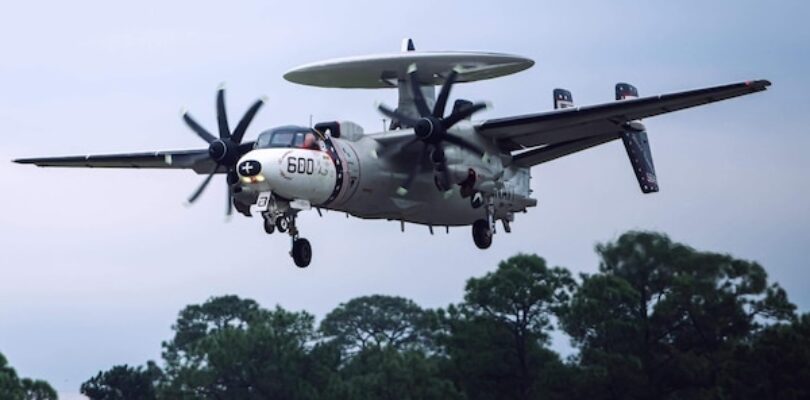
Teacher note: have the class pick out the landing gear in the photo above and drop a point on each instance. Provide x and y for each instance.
(483, 229)
(282, 224)
(482, 234)
(269, 225)
(279, 216)
(477, 200)
(301, 252)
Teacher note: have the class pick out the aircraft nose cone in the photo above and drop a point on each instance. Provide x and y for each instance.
(249, 168)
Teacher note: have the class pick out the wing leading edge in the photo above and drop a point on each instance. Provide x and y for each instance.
(197, 160)
(569, 130)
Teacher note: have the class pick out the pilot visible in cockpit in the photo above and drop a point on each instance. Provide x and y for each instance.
(311, 142)
(290, 137)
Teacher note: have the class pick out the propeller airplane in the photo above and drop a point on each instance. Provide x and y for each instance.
(430, 167)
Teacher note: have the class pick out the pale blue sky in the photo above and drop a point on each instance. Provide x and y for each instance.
(96, 264)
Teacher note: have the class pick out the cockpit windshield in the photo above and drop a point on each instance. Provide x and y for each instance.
(288, 136)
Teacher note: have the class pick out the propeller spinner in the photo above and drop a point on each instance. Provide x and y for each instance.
(431, 128)
(226, 149)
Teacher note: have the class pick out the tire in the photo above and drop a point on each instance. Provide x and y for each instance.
(269, 226)
(282, 224)
(482, 235)
(302, 253)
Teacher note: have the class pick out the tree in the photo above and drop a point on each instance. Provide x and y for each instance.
(378, 321)
(388, 373)
(774, 365)
(14, 388)
(660, 318)
(497, 338)
(231, 348)
(124, 382)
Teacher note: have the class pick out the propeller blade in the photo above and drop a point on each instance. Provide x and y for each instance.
(239, 132)
(222, 116)
(417, 167)
(202, 187)
(396, 148)
(198, 129)
(229, 210)
(397, 116)
(245, 147)
(416, 90)
(453, 119)
(444, 170)
(441, 101)
(463, 144)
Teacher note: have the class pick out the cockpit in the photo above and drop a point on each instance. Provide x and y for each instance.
(289, 137)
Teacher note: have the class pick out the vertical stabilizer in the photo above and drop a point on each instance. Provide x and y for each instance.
(563, 99)
(406, 103)
(637, 145)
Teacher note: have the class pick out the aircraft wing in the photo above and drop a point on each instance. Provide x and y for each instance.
(196, 160)
(568, 130)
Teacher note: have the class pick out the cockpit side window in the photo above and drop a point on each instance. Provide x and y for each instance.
(287, 137)
(282, 139)
(299, 140)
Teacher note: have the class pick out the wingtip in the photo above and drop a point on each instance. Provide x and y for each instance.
(759, 83)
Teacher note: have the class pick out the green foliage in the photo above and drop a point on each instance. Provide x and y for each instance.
(378, 322)
(230, 348)
(14, 388)
(660, 317)
(385, 373)
(124, 382)
(496, 340)
(660, 320)
(776, 364)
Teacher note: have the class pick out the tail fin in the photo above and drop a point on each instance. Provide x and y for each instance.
(563, 99)
(638, 147)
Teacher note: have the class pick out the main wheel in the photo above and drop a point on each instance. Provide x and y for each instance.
(282, 224)
(269, 226)
(301, 253)
(482, 234)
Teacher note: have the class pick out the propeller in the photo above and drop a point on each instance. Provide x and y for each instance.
(226, 148)
(431, 128)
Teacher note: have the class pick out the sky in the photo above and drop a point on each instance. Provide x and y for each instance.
(96, 264)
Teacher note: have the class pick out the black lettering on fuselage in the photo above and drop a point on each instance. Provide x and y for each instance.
(300, 165)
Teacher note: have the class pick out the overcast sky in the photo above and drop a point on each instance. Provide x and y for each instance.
(96, 263)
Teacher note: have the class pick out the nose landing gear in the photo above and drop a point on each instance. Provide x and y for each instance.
(301, 251)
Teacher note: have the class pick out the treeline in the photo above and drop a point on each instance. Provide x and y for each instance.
(12, 387)
(659, 320)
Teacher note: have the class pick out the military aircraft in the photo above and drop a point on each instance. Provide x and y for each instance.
(429, 167)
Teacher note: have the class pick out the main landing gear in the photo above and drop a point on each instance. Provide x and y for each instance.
(301, 251)
(482, 234)
(483, 229)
